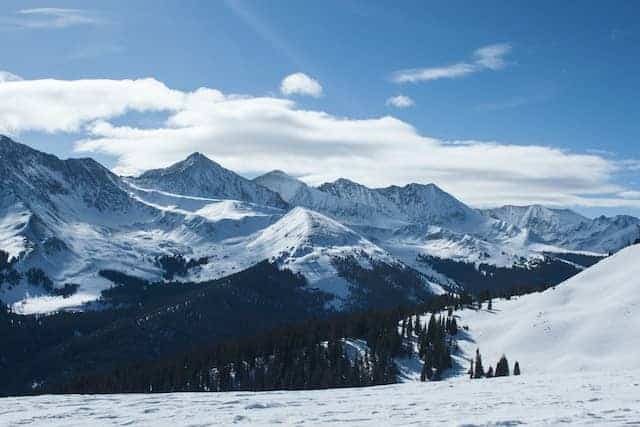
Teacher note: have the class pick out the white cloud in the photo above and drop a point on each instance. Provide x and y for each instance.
(64, 106)
(400, 101)
(257, 134)
(51, 18)
(300, 84)
(486, 58)
(6, 76)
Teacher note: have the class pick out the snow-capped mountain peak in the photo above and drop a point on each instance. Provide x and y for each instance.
(428, 203)
(568, 229)
(199, 176)
(304, 226)
(282, 183)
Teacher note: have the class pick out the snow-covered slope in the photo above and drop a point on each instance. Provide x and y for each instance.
(58, 213)
(587, 323)
(605, 399)
(200, 176)
(309, 243)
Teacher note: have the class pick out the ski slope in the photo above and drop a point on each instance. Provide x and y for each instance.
(588, 323)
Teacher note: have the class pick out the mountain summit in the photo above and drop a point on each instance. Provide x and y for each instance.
(199, 176)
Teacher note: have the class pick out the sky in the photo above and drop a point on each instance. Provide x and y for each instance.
(496, 102)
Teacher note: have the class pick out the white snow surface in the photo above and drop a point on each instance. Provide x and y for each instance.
(608, 398)
(587, 324)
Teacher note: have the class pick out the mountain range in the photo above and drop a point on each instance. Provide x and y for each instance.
(66, 222)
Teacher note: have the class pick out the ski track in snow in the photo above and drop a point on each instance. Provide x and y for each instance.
(578, 399)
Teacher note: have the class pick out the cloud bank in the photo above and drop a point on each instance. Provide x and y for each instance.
(486, 58)
(256, 134)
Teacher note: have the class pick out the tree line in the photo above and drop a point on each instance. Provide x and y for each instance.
(316, 354)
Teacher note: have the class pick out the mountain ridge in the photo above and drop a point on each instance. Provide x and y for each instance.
(71, 218)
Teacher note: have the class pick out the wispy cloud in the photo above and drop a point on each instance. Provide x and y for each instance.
(400, 101)
(50, 18)
(486, 58)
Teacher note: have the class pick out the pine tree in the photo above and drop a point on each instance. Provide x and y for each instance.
(479, 371)
(490, 305)
(516, 368)
(426, 372)
(502, 368)
(431, 329)
(490, 372)
(454, 327)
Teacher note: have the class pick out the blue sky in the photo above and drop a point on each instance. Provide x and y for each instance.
(567, 78)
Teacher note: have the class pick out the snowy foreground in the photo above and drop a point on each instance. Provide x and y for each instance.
(582, 398)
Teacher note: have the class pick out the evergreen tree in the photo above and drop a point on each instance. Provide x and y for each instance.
(425, 373)
(4, 260)
(432, 328)
(479, 371)
(454, 327)
(516, 368)
(490, 372)
(502, 368)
